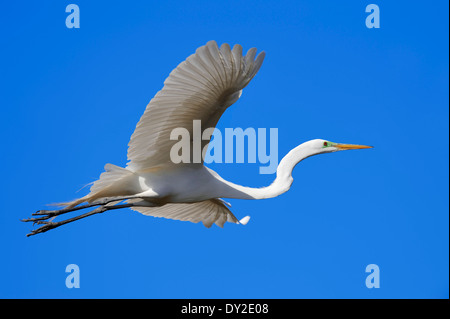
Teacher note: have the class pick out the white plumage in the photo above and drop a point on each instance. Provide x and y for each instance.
(200, 88)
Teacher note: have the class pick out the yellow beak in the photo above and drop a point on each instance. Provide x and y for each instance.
(351, 146)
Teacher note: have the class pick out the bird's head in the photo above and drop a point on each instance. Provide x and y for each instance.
(307, 149)
(319, 146)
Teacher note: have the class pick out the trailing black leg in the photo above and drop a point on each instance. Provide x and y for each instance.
(46, 214)
(47, 225)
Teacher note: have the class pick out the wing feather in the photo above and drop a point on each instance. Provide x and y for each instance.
(200, 88)
(213, 211)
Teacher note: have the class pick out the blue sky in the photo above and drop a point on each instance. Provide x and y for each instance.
(70, 99)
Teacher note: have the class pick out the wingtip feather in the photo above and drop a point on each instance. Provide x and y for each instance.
(244, 220)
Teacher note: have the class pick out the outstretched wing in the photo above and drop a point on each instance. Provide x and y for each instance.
(208, 211)
(200, 88)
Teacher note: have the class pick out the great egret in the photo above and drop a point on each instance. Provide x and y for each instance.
(200, 88)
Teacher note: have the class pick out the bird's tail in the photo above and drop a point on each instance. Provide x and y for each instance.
(72, 203)
(114, 181)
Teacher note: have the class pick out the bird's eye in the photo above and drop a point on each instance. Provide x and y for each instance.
(325, 144)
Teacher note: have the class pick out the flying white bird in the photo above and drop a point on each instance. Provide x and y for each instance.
(200, 88)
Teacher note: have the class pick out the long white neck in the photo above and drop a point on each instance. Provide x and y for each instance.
(280, 185)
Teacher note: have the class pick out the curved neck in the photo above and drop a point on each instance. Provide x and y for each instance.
(280, 185)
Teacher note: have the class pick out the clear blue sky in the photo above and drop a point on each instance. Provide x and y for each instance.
(70, 99)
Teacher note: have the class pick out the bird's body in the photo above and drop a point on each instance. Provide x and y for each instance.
(179, 184)
(200, 88)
